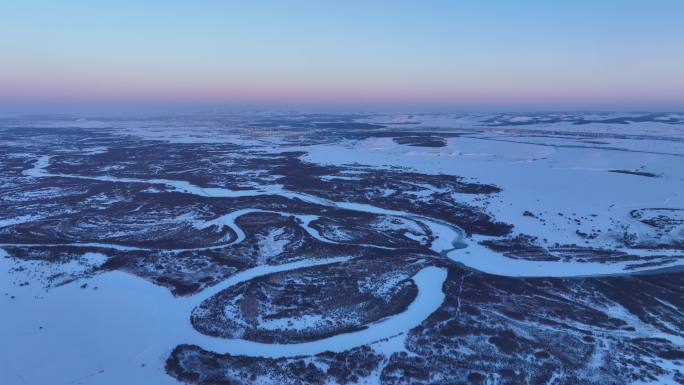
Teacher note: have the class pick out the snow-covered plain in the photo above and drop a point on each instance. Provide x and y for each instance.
(121, 329)
(559, 181)
(555, 182)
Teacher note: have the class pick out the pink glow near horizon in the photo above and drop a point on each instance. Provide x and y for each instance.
(529, 56)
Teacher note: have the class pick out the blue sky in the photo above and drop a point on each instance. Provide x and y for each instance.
(414, 55)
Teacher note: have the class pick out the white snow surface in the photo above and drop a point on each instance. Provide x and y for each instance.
(123, 331)
(546, 180)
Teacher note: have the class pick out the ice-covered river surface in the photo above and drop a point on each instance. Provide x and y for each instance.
(417, 249)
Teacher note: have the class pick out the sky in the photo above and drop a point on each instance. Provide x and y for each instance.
(68, 55)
